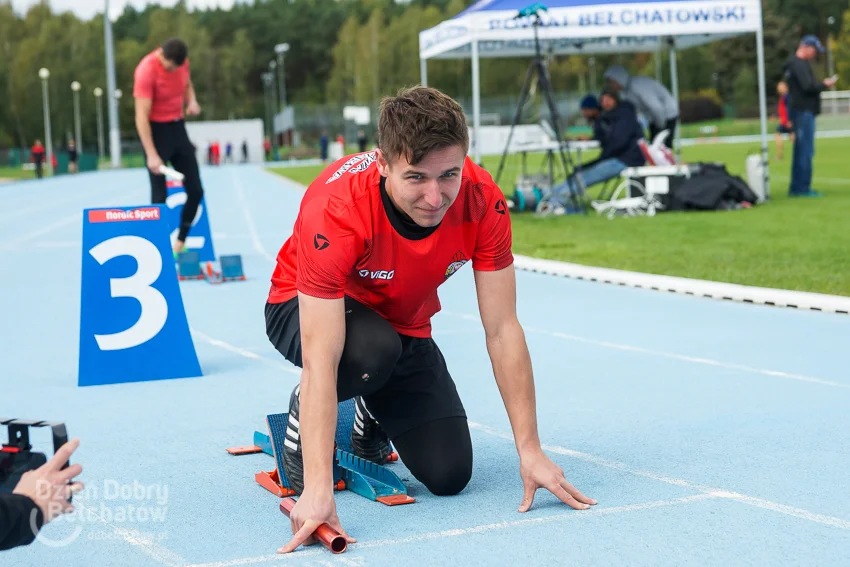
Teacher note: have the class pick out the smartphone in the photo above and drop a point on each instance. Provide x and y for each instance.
(834, 77)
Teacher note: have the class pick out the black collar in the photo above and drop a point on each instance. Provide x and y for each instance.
(402, 223)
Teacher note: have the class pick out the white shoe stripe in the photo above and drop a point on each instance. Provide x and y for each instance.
(290, 444)
(293, 421)
(358, 421)
(292, 433)
(357, 410)
(358, 429)
(367, 410)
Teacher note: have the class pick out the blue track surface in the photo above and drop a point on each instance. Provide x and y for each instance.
(711, 433)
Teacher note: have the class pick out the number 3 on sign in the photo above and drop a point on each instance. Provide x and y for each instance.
(133, 325)
(138, 286)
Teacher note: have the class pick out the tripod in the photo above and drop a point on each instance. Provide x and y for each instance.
(537, 66)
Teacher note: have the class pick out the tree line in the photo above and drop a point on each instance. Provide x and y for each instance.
(341, 52)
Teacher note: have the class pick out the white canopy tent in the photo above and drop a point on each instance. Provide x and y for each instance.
(492, 29)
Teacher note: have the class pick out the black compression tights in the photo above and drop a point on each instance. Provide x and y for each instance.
(405, 385)
(438, 454)
(173, 145)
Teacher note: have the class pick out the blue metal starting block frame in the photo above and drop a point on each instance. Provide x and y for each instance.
(189, 268)
(370, 480)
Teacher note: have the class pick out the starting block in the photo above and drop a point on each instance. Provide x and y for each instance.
(189, 266)
(231, 270)
(370, 480)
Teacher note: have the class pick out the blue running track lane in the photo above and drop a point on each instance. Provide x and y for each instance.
(711, 433)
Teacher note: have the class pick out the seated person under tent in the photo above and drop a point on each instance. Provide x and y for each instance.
(616, 127)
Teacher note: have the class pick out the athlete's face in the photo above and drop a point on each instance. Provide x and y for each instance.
(424, 191)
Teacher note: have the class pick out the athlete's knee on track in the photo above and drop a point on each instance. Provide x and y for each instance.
(447, 476)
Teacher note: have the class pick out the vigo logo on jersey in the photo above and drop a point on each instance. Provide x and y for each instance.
(458, 260)
(356, 164)
(377, 274)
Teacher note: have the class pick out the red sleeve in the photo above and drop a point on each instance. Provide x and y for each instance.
(783, 111)
(143, 82)
(329, 247)
(493, 244)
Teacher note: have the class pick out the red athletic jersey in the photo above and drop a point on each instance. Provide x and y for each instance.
(783, 110)
(344, 243)
(167, 90)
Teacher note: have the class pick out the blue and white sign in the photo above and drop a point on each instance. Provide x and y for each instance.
(200, 235)
(133, 326)
(587, 26)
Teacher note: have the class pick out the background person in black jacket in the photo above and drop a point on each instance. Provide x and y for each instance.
(618, 131)
(39, 497)
(804, 91)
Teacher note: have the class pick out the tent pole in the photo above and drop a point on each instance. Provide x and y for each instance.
(423, 72)
(763, 110)
(658, 63)
(476, 104)
(674, 85)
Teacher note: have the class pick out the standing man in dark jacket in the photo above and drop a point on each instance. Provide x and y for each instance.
(618, 131)
(804, 91)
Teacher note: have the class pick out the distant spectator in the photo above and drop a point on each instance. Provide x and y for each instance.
(73, 157)
(245, 151)
(804, 91)
(650, 98)
(323, 146)
(362, 140)
(617, 129)
(785, 125)
(267, 148)
(228, 152)
(37, 155)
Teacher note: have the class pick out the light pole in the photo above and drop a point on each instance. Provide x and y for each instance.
(280, 49)
(118, 95)
(45, 74)
(98, 93)
(273, 88)
(111, 102)
(267, 79)
(75, 86)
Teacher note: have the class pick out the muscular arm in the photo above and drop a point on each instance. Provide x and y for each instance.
(322, 340)
(190, 92)
(143, 125)
(508, 352)
(512, 367)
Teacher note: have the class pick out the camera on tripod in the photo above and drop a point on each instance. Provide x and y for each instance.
(17, 456)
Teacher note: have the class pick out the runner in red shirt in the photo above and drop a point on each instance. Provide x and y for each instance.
(162, 86)
(785, 125)
(351, 303)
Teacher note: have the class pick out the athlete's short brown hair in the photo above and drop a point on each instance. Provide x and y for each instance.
(418, 120)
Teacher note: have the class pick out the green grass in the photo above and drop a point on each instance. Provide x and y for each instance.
(797, 244)
(16, 173)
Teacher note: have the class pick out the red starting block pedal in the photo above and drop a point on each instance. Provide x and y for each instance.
(231, 270)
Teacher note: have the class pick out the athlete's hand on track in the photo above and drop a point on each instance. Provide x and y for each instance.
(154, 163)
(538, 471)
(311, 511)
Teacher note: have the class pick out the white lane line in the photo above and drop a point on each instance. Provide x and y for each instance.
(671, 355)
(249, 219)
(65, 221)
(244, 352)
(456, 532)
(718, 492)
(160, 554)
(601, 461)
